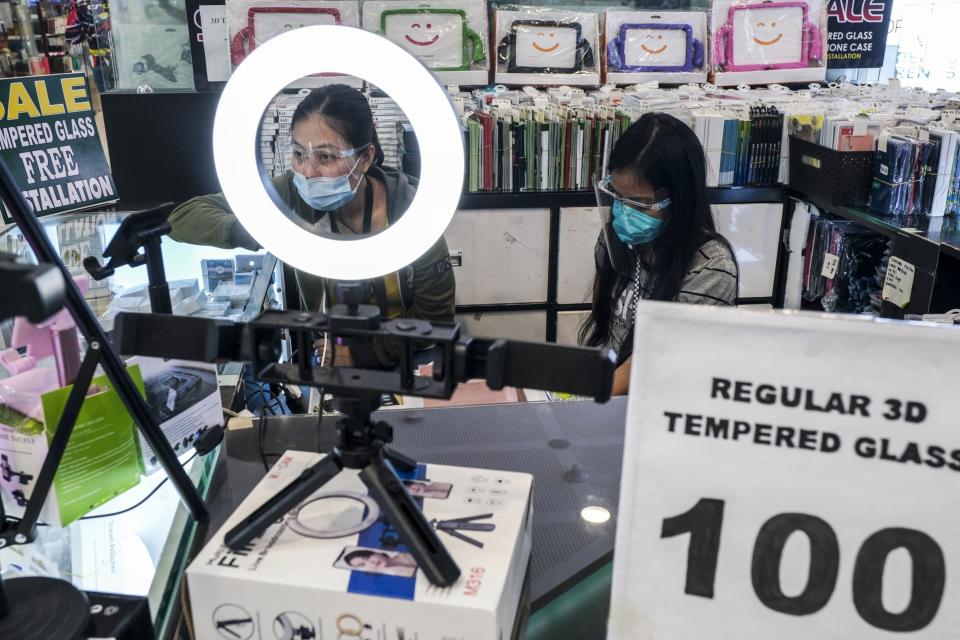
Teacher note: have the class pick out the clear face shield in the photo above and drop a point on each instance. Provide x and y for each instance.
(322, 160)
(610, 204)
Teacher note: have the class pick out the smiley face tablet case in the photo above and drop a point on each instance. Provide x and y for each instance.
(545, 46)
(264, 23)
(768, 35)
(439, 37)
(655, 47)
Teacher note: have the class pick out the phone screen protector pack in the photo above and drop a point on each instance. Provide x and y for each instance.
(762, 42)
(333, 567)
(663, 46)
(253, 22)
(546, 46)
(447, 36)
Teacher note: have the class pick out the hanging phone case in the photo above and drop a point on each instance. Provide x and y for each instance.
(744, 22)
(471, 45)
(245, 41)
(507, 48)
(619, 59)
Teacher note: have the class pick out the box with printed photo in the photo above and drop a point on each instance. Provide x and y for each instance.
(334, 566)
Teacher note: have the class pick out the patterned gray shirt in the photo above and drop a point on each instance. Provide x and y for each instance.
(711, 279)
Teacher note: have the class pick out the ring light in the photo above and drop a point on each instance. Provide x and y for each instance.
(338, 49)
(371, 511)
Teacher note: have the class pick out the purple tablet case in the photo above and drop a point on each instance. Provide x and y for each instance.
(616, 56)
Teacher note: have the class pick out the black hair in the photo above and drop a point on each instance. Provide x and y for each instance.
(360, 553)
(665, 153)
(347, 111)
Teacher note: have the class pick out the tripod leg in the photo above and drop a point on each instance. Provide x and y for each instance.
(289, 497)
(399, 460)
(406, 517)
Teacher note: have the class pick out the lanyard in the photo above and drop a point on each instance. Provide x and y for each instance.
(379, 288)
(636, 290)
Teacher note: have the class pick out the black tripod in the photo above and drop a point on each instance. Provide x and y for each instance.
(361, 444)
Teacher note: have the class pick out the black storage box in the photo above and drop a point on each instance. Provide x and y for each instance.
(840, 178)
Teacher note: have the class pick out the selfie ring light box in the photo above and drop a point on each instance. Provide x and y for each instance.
(279, 62)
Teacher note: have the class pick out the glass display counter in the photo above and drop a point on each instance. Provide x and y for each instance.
(139, 542)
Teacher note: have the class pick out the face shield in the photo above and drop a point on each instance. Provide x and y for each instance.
(609, 204)
(322, 160)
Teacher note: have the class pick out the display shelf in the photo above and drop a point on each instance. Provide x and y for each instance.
(925, 242)
(554, 201)
(563, 199)
(527, 200)
(945, 231)
(887, 226)
(952, 248)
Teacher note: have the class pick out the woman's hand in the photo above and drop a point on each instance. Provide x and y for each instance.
(344, 357)
(621, 378)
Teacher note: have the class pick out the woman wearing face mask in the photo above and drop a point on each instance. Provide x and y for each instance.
(338, 186)
(659, 240)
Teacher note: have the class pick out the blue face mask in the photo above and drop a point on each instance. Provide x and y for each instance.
(326, 194)
(633, 226)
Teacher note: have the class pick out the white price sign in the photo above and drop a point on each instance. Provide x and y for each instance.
(830, 264)
(898, 283)
(788, 476)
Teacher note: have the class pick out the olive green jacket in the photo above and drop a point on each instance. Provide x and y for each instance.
(427, 287)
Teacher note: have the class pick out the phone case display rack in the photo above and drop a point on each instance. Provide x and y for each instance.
(930, 244)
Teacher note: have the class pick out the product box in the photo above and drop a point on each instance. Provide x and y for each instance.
(366, 585)
(537, 45)
(668, 47)
(448, 36)
(184, 399)
(216, 272)
(102, 459)
(762, 42)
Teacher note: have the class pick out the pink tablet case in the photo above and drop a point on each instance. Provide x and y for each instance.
(811, 49)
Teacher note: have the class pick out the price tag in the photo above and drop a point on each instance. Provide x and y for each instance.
(769, 492)
(830, 264)
(898, 283)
